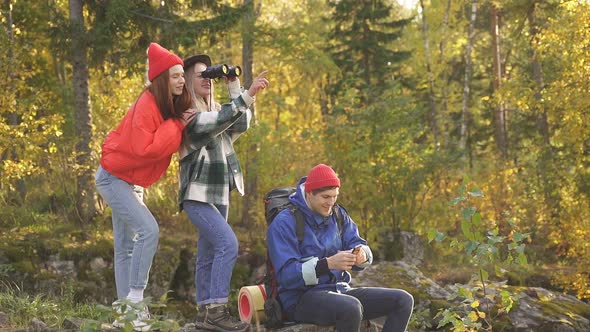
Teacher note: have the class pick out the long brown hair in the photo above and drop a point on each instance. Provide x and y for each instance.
(170, 106)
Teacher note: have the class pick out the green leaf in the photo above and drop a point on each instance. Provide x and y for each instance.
(458, 200)
(466, 293)
(499, 271)
(468, 212)
(484, 275)
(519, 237)
(431, 234)
(471, 246)
(519, 249)
(522, 259)
(476, 192)
(496, 239)
(466, 228)
(507, 300)
(476, 219)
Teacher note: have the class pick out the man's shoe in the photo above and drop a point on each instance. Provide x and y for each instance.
(136, 313)
(219, 319)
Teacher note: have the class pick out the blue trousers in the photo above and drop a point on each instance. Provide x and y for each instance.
(217, 251)
(347, 310)
(135, 231)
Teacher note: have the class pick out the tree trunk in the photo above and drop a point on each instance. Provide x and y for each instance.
(247, 48)
(546, 164)
(500, 111)
(430, 75)
(324, 96)
(467, 84)
(13, 118)
(251, 173)
(82, 115)
(445, 79)
(502, 204)
(542, 123)
(445, 25)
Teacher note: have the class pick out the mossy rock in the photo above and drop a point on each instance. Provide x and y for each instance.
(26, 266)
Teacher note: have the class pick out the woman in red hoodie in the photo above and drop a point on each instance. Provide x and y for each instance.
(135, 155)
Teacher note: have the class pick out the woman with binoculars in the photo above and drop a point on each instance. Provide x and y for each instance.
(209, 170)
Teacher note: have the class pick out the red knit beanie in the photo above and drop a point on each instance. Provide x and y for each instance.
(321, 176)
(160, 60)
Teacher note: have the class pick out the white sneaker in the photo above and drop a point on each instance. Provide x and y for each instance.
(137, 313)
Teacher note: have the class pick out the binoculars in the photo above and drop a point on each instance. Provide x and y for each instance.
(217, 71)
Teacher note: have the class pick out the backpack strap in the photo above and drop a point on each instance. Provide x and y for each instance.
(339, 218)
(299, 222)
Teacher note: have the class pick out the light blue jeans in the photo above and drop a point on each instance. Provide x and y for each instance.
(135, 231)
(217, 251)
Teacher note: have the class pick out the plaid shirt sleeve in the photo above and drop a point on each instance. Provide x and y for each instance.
(206, 125)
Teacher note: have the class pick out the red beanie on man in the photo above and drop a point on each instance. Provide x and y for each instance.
(160, 60)
(321, 176)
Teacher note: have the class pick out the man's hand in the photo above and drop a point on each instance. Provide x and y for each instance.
(342, 260)
(259, 83)
(360, 255)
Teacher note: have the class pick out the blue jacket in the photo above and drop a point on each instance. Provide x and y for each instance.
(295, 264)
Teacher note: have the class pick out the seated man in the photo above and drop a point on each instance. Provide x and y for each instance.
(313, 274)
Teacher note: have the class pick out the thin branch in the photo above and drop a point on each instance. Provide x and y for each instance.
(151, 17)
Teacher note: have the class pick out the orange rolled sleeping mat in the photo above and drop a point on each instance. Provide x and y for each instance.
(251, 304)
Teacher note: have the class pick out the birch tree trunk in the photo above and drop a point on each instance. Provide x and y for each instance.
(502, 204)
(82, 117)
(430, 75)
(445, 87)
(500, 111)
(467, 84)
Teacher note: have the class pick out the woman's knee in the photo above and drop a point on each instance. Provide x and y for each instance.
(225, 242)
(150, 231)
(231, 244)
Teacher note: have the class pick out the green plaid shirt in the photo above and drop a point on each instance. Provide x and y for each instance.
(209, 167)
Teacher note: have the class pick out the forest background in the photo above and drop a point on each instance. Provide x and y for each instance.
(403, 101)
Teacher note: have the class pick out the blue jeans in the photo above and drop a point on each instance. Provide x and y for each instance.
(347, 310)
(217, 251)
(135, 231)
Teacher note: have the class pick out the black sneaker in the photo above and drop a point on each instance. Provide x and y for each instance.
(219, 319)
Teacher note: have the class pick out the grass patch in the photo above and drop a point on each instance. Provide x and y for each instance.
(21, 308)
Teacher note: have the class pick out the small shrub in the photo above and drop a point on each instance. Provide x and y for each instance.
(489, 253)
